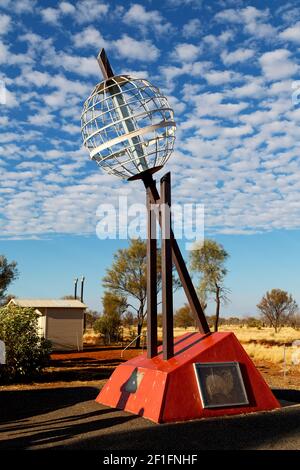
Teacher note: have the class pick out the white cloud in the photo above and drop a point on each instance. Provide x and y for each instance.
(3, 53)
(171, 72)
(42, 118)
(229, 15)
(67, 8)
(212, 104)
(217, 41)
(236, 131)
(34, 165)
(177, 105)
(239, 55)
(89, 37)
(50, 15)
(292, 33)
(5, 24)
(249, 124)
(219, 77)
(11, 99)
(186, 52)
(71, 129)
(88, 10)
(192, 28)
(9, 58)
(138, 16)
(132, 49)
(254, 21)
(81, 65)
(277, 64)
(19, 6)
(3, 121)
(195, 69)
(84, 12)
(253, 89)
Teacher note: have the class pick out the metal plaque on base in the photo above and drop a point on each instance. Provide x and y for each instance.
(220, 384)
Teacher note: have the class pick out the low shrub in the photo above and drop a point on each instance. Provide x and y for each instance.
(26, 352)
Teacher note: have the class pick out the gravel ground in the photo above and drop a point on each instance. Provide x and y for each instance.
(68, 418)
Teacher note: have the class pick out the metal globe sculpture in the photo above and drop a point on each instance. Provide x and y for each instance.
(129, 129)
(127, 125)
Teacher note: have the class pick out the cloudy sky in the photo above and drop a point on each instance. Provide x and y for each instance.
(230, 71)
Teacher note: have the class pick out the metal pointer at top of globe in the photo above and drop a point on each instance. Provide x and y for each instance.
(127, 125)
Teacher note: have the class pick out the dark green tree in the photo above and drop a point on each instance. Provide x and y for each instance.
(208, 259)
(8, 273)
(128, 278)
(109, 323)
(276, 307)
(183, 317)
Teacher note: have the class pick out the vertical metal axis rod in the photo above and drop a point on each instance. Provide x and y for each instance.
(151, 280)
(166, 267)
(181, 268)
(104, 65)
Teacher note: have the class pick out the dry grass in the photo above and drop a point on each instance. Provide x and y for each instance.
(261, 344)
(274, 354)
(266, 345)
(90, 338)
(265, 336)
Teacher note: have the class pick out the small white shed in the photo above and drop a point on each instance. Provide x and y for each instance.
(61, 321)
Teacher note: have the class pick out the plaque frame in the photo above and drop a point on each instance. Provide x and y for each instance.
(206, 403)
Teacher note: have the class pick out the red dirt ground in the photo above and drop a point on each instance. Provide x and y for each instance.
(99, 354)
(99, 363)
(95, 365)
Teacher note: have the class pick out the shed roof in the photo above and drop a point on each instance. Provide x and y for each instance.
(48, 303)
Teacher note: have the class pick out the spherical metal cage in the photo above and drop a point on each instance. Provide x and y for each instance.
(128, 126)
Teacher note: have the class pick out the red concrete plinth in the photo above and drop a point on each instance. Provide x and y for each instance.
(167, 391)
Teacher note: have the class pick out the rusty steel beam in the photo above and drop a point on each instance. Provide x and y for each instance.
(151, 280)
(166, 267)
(183, 273)
(104, 64)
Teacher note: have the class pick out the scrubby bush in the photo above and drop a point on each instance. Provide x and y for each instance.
(253, 322)
(108, 326)
(26, 352)
(183, 317)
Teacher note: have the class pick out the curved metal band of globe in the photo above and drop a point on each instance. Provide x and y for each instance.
(125, 79)
(158, 97)
(116, 155)
(147, 112)
(114, 169)
(104, 128)
(133, 101)
(129, 174)
(123, 138)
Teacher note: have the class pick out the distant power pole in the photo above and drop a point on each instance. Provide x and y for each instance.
(75, 287)
(81, 298)
(82, 286)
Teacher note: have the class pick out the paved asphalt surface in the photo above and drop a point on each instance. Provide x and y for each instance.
(69, 418)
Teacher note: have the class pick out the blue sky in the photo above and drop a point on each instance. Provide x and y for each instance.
(230, 71)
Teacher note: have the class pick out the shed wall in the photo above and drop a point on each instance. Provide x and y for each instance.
(65, 328)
